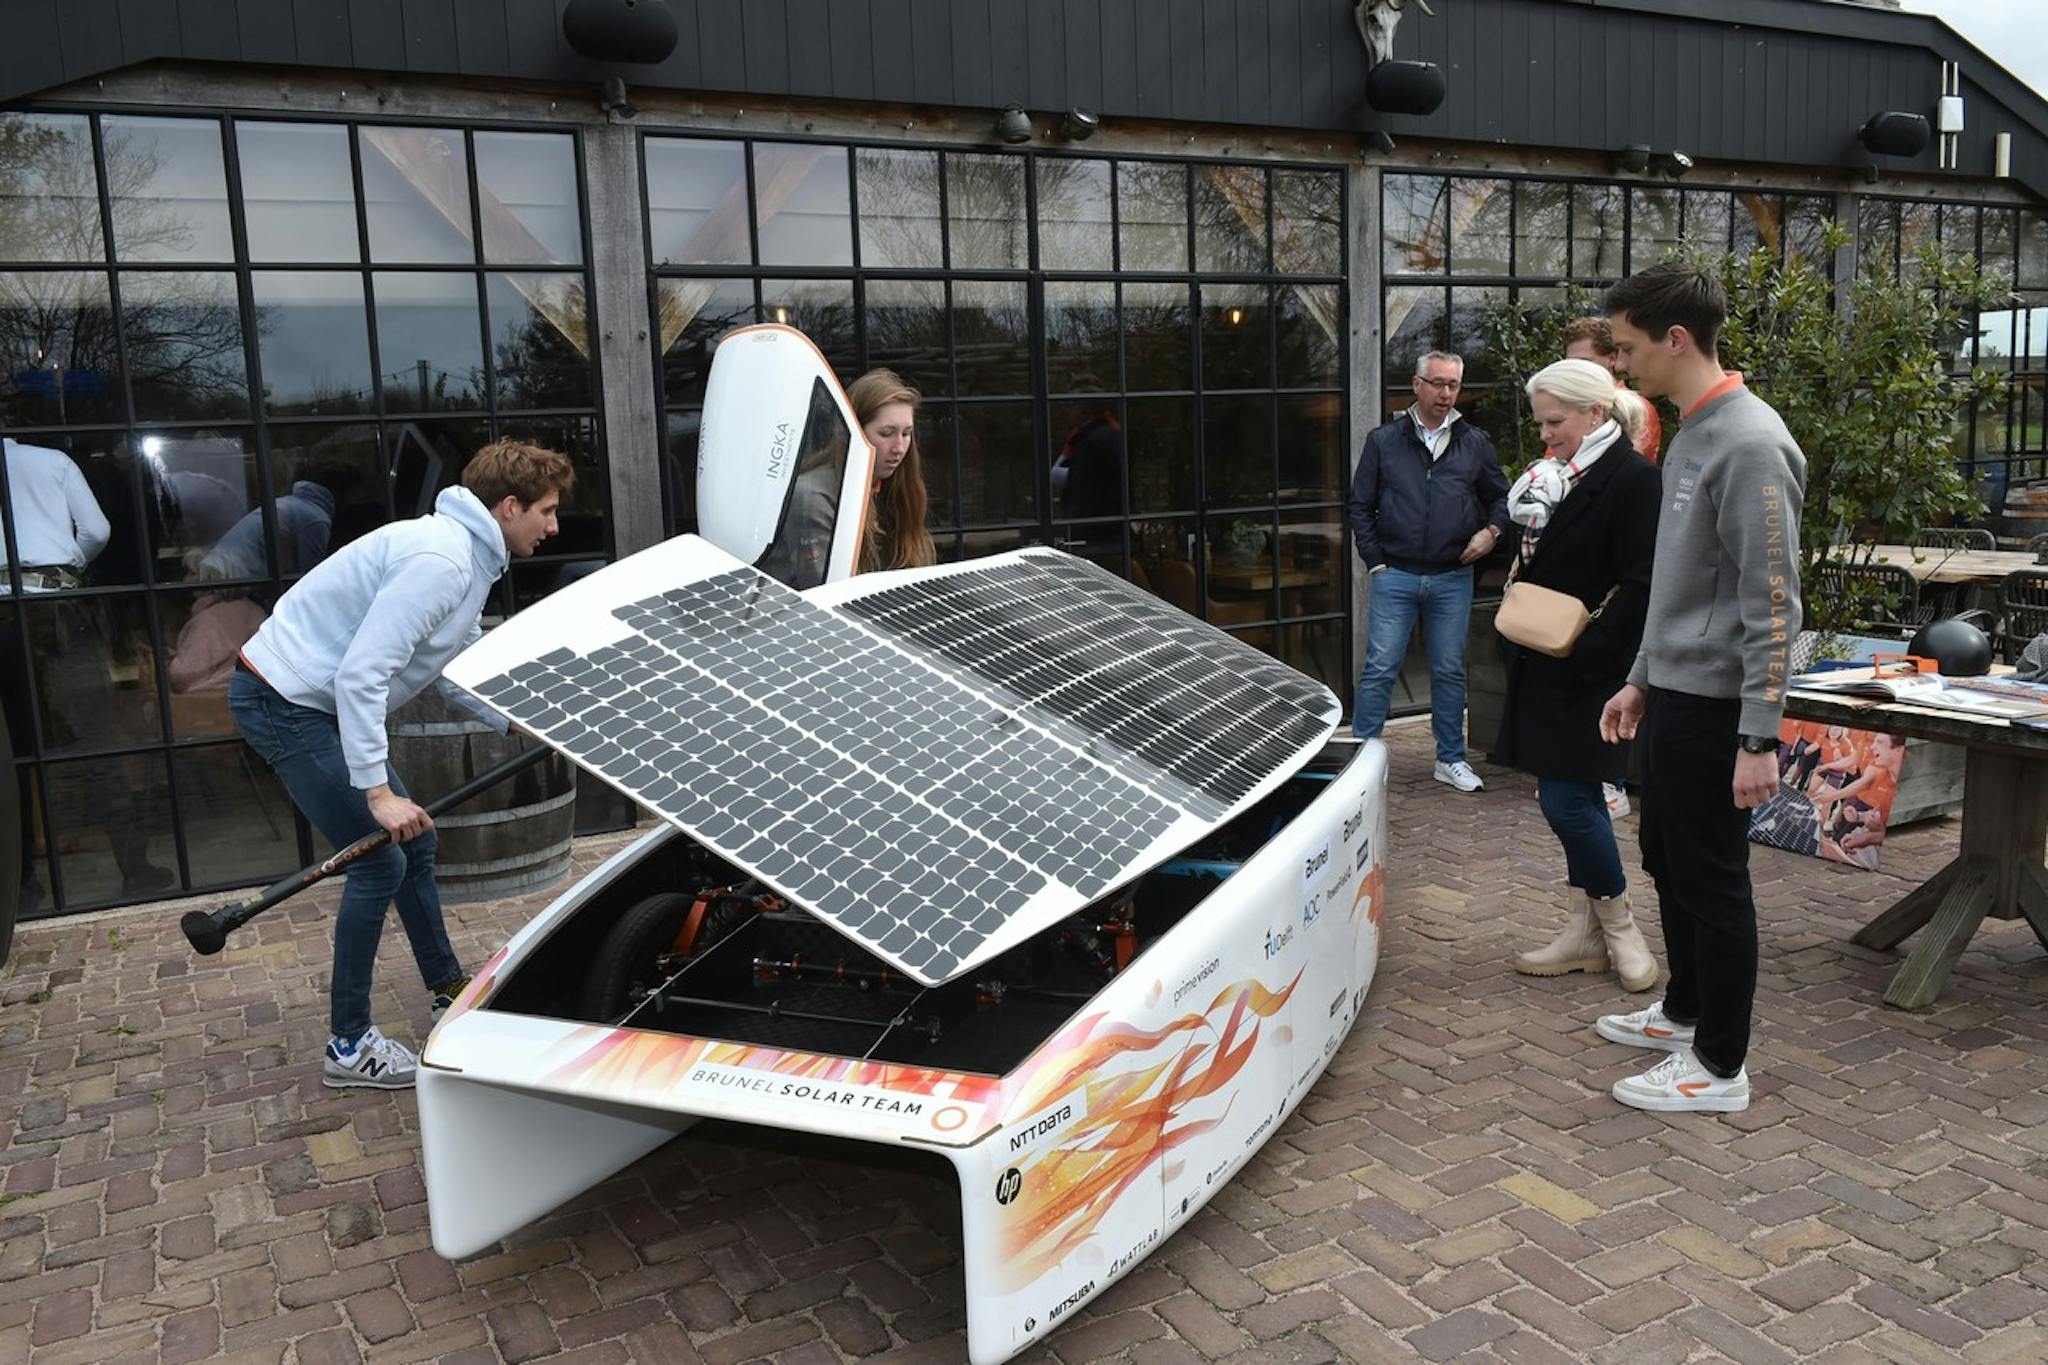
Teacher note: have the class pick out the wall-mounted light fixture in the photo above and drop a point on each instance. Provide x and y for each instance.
(1671, 165)
(1079, 124)
(1236, 316)
(1013, 124)
(1634, 158)
(1381, 141)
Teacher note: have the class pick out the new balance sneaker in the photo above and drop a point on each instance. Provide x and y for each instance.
(1645, 1028)
(1680, 1085)
(373, 1060)
(1617, 800)
(1459, 775)
(444, 996)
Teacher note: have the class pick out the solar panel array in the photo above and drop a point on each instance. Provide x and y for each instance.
(906, 778)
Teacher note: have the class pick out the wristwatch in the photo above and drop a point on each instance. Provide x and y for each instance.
(1758, 744)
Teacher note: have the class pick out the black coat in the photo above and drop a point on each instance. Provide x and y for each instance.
(1417, 514)
(1603, 534)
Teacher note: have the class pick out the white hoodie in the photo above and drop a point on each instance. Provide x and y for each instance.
(373, 625)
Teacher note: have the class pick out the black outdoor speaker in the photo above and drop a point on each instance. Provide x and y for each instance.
(1893, 133)
(640, 31)
(1395, 87)
(1959, 648)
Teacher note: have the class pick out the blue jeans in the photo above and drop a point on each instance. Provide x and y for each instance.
(1444, 602)
(303, 747)
(1577, 812)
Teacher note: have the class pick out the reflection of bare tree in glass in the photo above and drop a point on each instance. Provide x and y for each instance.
(184, 337)
(985, 210)
(542, 364)
(899, 208)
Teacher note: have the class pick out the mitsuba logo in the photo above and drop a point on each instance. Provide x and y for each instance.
(778, 451)
(1007, 1186)
(1069, 1301)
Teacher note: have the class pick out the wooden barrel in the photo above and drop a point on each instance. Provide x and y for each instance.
(510, 840)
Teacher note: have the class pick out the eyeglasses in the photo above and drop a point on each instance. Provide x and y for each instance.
(1441, 385)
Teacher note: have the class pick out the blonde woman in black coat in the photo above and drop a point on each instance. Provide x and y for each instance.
(1587, 514)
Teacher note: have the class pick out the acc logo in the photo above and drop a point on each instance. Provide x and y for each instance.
(1007, 1187)
(1311, 908)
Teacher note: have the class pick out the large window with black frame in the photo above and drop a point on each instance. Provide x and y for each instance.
(232, 345)
(1138, 361)
(1456, 248)
(2005, 449)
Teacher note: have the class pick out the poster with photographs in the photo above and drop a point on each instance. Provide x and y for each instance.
(1835, 791)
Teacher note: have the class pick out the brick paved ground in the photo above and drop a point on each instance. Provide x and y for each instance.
(177, 1183)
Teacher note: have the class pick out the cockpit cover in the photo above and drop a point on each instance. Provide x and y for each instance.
(938, 762)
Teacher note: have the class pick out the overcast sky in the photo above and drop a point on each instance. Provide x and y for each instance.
(2014, 33)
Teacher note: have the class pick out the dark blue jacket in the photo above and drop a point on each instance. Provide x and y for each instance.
(1416, 514)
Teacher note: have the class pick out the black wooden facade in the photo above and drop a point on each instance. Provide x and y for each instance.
(1777, 81)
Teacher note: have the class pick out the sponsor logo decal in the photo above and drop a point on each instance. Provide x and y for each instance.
(1030, 1325)
(778, 451)
(1069, 1301)
(1311, 908)
(1008, 1184)
(1046, 1122)
(1135, 1254)
(1364, 856)
(949, 1119)
(1352, 823)
(807, 1092)
(1338, 1003)
(1206, 970)
(1277, 939)
(1216, 1172)
(1315, 865)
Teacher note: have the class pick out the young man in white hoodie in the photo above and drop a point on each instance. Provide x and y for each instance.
(370, 628)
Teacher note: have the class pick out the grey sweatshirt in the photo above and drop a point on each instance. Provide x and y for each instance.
(1724, 589)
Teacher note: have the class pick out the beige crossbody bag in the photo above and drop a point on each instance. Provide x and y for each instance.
(1544, 619)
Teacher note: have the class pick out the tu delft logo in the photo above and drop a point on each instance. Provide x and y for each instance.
(1008, 1185)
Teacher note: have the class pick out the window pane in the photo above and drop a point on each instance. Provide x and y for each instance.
(237, 817)
(1758, 222)
(1806, 229)
(1312, 565)
(2000, 243)
(1100, 544)
(95, 683)
(49, 196)
(202, 630)
(1468, 334)
(899, 209)
(330, 491)
(1706, 220)
(1159, 348)
(985, 211)
(1161, 438)
(526, 196)
(167, 189)
(1237, 451)
(697, 202)
(1597, 215)
(1415, 323)
(1152, 215)
(1916, 229)
(1073, 214)
(1311, 448)
(1415, 211)
(540, 340)
(1241, 578)
(2033, 248)
(998, 472)
(1542, 219)
(583, 516)
(94, 536)
(313, 342)
(991, 337)
(906, 321)
(429, 341)
(196, 486)
(1653, 229)
(1088, 462)
(57, 358)
(1309, 322)
(802, 204)
(1230, 219)
(1308, 222)
(111, 823)
(427, 455)
(416, 188)
(1877, 238)
(1479, 227)
(1959, 230)
(1163, 561)
(184, 335)
(298, 192)
(822, 310)
(1080, 337)
(936, 445)
(694, 314)
(1237, 336)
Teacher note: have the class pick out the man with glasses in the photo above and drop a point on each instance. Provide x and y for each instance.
(1428, 500)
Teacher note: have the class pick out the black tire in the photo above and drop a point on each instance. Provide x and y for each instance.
(630, 955)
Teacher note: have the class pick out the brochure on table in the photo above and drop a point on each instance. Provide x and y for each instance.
(1996, 698)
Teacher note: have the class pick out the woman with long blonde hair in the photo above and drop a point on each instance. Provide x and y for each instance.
(897, 537)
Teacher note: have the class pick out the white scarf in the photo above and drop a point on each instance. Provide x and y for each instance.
(1535, 497)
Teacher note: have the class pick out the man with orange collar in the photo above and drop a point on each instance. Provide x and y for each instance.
(1707, 689)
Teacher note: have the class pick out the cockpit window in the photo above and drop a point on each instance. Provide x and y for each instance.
(802, 550)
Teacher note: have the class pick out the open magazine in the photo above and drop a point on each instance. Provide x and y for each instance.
(2000, 698)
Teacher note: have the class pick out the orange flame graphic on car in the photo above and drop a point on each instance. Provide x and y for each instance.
(1134, 1117)
(1372, 887)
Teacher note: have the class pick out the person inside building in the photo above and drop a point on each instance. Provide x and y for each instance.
(367, 630)
(1592, 339)
(1427, 502)
(1708, 688)
(897, 537)
(1588, 517)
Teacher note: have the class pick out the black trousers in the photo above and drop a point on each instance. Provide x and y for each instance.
(1696, 849)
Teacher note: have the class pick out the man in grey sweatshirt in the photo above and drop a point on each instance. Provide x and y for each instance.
(1707, 690)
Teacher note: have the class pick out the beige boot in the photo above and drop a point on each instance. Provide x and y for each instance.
(1632, 960)
(1579, 948)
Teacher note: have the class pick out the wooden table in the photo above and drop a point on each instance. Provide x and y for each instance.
(1945, 567)
(1998, 871)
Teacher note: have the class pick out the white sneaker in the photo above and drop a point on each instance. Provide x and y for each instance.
(1645, 1028)
(1680, 1085)
(1617, 800)
(1459, 775)
(374, 1061)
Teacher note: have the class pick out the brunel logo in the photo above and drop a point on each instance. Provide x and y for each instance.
(778, 452)
(1008, 1185)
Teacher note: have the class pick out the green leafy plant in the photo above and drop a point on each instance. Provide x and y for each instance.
(1520, 338)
